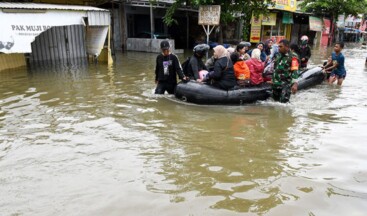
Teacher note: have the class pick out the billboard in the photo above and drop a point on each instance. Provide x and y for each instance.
(315, 24)
(286, 5)
(255, 32)
(209, 15)
(18, 30)
(269, 19)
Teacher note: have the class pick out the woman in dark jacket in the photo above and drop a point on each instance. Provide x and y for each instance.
(223, 75)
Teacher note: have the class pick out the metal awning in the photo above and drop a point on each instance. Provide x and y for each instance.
(29, 20)
(40, 6)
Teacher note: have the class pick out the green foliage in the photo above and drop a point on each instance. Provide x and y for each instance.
(230, 10)
(334, 8)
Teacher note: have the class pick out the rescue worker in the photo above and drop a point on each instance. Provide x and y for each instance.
(286, 71)
(166, 70)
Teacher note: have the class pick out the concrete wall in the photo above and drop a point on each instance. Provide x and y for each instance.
(147, 45)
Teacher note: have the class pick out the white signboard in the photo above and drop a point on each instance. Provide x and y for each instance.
(209, 15)
(18, 30)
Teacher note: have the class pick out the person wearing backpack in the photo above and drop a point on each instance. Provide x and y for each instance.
(167, 68)
(195, 64)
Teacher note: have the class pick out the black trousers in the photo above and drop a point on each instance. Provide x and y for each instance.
(163, 86)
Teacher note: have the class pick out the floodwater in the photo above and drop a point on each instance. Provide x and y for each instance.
(94, 140)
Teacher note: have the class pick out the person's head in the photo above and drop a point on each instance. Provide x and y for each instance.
(200, 50)
(329, 59)
(283, 46)
(246, 44)
(165, 47)
(230, 50)
(220, 51)
(241, 48)
(304, 40)
(338, 46)
(256, 54)
(260, 46)
(294, 48)
(269, 43)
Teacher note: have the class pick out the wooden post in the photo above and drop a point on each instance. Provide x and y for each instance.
(109, 60)
(152, 30)
(123, 27)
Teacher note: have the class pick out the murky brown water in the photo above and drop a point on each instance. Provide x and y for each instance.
(93, 140)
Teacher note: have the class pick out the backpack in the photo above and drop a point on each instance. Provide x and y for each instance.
(242, 73)
(185, 66)
(241, 70)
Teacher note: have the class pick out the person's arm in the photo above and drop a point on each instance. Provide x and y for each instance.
(156, 69)
(178, 68)
(334, 65)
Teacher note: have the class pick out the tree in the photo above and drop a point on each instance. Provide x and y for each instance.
(230, 10)
(334, 7)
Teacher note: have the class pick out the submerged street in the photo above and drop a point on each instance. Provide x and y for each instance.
(95, 140)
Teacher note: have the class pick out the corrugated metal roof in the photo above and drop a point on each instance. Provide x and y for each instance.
(98, 18)
(39, 6)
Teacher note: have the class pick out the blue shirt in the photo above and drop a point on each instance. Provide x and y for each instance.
(340, 69)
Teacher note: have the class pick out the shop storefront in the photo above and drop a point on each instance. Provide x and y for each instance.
(276, 25)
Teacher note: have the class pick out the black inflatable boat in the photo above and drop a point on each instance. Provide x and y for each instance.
(200, 93)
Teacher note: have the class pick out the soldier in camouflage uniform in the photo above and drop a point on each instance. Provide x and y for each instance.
(286, 71)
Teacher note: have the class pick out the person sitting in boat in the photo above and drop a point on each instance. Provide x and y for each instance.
(239, 53)
(223, 75)
(259, 46)
(196, 63)
(269, 66)
(247, 46)
(167, 68)
(256, 67)
(267, 46)
(241, 70)
(304, 52)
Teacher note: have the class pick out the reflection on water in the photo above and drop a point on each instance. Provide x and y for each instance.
(93, 140)
(234, 159)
